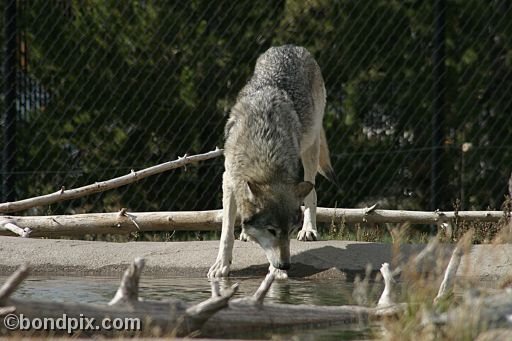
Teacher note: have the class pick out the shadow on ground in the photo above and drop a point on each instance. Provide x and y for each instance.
(338, 262)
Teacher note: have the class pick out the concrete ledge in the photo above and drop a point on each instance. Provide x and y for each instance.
(193, 259)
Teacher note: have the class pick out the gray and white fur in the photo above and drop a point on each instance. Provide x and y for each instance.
(274, 130)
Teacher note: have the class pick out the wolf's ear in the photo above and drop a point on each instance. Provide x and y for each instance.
(229, 124)
(253, 189)
(303, 188)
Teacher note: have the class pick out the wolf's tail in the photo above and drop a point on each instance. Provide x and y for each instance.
(324, 163)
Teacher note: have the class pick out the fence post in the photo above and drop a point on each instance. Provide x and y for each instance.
(439, 90)
(9, 120)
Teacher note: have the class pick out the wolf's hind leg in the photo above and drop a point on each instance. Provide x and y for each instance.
(310, 162)
(222, 265)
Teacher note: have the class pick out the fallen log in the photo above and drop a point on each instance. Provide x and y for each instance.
(249, 314)
(373, 215)
(110, 223)
(126, 314)
(175, 317)
(125, 222)
(68, 194)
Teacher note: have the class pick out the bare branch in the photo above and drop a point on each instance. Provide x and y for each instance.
(368, 210)
(448, 283)
(205, 309)
(13, 282)
(10, 226)
(62, 194)
(7, 310)
(128, 291)
(385, 298)
(124, 213)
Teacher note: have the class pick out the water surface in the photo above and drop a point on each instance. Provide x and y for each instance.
(100, 289)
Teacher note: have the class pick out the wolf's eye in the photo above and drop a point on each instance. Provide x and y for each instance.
(272, 232)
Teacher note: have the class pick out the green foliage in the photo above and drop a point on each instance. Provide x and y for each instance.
(134, 83)
(377, 63)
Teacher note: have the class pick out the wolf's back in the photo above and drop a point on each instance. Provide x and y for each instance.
(291, 69)
(278, 114)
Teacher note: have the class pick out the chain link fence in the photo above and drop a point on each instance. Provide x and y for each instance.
(419, 107)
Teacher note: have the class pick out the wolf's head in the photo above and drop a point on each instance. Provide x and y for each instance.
(271, 212)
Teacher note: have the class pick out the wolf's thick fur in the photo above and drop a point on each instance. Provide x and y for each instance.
(275, 123)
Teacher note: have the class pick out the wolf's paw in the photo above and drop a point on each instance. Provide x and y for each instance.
(307, 235)
(219, 269)
(244, 237)
(278, 273)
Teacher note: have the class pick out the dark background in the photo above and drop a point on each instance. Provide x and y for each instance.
(419, 106)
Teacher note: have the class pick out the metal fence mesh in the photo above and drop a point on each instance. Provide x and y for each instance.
(104, 87)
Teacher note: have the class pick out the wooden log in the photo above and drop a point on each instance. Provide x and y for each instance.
(64, 194)
(243, 317)
(250, 313)
(137, 317)
(372, 215)
(175, 317)
(126, 222)
(113, 223)
(170, 316)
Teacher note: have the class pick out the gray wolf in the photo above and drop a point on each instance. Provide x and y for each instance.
(274, 126)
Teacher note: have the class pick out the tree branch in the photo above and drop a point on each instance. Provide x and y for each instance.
(448, 283)
(128, 291)
(63, 194)
(10, 226)
(385, 299)
(12, 283)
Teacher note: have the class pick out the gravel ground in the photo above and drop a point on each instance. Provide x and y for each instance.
(192, 259)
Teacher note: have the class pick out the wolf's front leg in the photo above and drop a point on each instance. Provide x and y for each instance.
(310, 162)
(222, 265)
(244, 236)
(309, 231)
(278, 273)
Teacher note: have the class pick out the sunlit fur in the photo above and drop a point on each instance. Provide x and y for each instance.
(273, 139)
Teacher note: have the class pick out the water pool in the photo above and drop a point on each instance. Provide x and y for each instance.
(100, 289)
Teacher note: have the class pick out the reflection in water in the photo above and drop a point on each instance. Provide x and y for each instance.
(94, 289)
